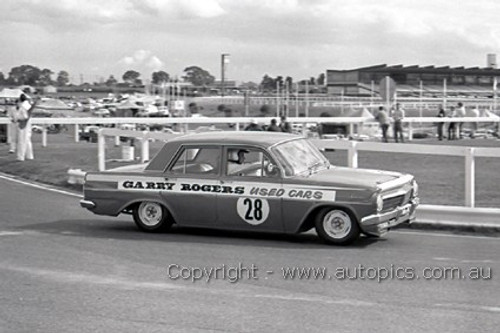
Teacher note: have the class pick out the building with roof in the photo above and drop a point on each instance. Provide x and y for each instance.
(412, 80)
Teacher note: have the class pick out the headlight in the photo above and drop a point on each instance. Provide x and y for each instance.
(415, 189)
(380, 203)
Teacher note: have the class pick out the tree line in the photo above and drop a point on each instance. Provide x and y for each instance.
(197, 76)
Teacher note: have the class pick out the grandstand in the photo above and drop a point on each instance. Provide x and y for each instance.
(429, 81)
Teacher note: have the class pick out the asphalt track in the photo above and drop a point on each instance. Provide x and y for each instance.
(63, 269)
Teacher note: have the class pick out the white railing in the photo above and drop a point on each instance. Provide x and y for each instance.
(355, 123)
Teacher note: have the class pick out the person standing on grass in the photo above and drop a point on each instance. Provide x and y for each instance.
(398, 115)
(452, 131)
(23, 116)
(440, 125)
(460, 114)
(12, 127)
(383, 120)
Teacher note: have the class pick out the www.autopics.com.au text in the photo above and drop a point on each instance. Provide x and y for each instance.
(238, 272)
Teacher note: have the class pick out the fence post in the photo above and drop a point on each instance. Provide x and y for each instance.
(44, 135)
(101, 150)
(77, 133)
(410, 131)
(145, 147)
(469, 177)
(352, 154)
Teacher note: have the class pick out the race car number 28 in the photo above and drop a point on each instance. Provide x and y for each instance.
(253, 210)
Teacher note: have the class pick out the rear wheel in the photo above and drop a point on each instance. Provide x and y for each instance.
(152, 216)
(336, 226)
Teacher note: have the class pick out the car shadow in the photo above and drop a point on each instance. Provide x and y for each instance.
(126, 230)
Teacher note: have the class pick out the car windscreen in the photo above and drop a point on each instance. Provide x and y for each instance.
(299, 156)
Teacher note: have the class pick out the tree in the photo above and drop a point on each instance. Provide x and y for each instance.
(268, 83)
(289, 82)
(265, 110)
(131, 77)
(160, 77)
(62, 78)
(321, 79)
(25, 74)
(312, 81)
(198, 76)
(111, 81)
(45, 77)
(279, 81)
(2, 78)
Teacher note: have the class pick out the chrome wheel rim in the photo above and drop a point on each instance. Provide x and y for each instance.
(337, 224)
(150, 213)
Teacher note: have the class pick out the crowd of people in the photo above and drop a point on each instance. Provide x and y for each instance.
(283, 126)
(19, 112)
(397, 114)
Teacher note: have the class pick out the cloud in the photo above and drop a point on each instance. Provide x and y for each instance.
(141, 60)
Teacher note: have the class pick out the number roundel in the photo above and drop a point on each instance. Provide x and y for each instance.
(253, 210)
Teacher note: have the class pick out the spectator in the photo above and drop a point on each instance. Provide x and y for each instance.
(398, 115)
(253, 126)
(285, 125)
(452, 132)
(383, 120)
(460, 114)
(23, 116)
(273, 127)
(440, 125)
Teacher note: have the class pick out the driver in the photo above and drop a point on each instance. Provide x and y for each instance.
(235, 159)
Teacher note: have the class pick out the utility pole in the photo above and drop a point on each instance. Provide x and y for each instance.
(224, 59)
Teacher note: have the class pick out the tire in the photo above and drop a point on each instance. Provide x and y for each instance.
(151, 216)
(336, 226)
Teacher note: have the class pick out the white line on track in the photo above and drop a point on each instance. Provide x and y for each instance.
(39, 186)
(437, 234)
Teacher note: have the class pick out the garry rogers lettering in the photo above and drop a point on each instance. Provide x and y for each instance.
(129, 184)
(213, 188)
(269, 192)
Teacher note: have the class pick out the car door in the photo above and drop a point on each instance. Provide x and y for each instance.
(251, 191)
(194, 175)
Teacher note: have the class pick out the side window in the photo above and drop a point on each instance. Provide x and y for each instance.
(197, 161)
(249, 162)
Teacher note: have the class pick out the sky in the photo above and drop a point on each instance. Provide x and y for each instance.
(93, 39)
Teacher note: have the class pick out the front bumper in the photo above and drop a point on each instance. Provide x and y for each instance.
(87, 204)
(379, 224)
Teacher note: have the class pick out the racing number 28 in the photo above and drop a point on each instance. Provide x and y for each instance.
(253, 209)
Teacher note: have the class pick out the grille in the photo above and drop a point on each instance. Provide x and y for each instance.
(393, 202)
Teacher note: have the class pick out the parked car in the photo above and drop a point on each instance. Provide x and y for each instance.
(272, 182)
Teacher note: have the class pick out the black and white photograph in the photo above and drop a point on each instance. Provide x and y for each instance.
(249, 166)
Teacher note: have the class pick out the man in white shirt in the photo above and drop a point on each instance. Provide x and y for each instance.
(398, 115)
(24, 145)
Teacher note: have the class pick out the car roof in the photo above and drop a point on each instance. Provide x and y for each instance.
(261, 138)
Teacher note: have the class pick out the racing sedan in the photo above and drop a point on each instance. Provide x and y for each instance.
(257, 181)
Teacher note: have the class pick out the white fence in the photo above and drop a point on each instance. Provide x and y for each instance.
(356, 124)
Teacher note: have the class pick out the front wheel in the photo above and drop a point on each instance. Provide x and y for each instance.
(152, 216)
(336, 226)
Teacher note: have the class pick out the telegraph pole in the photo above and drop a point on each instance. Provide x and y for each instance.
(224, 59)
